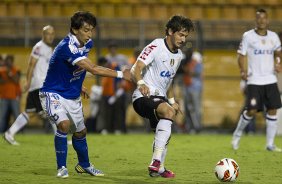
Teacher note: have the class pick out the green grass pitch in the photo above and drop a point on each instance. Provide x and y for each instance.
(125, 158)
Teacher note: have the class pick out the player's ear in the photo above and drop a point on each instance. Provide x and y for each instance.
(170, 32)
(75, 31)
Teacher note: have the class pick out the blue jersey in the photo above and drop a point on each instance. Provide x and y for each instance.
(64, 77)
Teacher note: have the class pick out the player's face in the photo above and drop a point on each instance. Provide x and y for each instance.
(261, 20)
(178, 38)
(48, 36)
(84, 34)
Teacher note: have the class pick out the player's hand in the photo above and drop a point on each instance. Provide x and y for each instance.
(177, 109)
(145, 91)
(278, 67)
(244, 75)
(84, 92)
(126, 74)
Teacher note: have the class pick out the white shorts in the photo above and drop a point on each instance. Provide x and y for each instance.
(59, 109)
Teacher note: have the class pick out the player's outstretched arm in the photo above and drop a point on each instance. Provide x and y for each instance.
(103, 71)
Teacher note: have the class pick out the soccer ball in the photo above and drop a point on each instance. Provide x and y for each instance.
(226, 170)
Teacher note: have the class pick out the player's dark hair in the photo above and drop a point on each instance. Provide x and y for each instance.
(178, 22)
(80, 17)
(261, 10)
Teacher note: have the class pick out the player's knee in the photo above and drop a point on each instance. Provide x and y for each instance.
(80, 134)
(64, 126)
(272, 112)
(251, 113)
(169, 112)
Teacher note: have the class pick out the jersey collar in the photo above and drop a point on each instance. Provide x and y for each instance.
(75, 40)
(168, 47)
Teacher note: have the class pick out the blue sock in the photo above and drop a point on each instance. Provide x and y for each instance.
(81, 148)
(61, 147)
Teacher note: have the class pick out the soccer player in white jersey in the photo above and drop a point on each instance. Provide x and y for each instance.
(153, 99)
(36, 73)
(261, 48)
(60, 94)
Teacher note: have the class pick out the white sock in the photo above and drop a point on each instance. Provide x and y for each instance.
(20, 122)
(271, 128)
(163, 131)
(162, 169)
(243, 122)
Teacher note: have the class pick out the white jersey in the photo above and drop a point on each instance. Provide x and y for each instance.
(161, 66)
(42, 52)
(260, 54)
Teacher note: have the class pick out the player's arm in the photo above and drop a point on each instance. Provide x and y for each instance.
(30, 68)
(103, 71)
(277, 59)
(242, 60)
(171, 99)
(136, 74)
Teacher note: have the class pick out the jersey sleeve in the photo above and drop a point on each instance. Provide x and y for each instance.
(243, 45)
(36, 52)
(277, 43)
(148, 53)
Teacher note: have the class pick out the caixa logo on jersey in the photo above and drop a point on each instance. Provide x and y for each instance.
(166, 74)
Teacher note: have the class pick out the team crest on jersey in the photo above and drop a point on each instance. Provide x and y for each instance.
(253, 102)
(172, 62)
(263, 41)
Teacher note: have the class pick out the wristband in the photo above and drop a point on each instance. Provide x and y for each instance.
(140, 82)
(119, 74)
(171, 101)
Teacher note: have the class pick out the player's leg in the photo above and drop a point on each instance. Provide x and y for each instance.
(244, 120)
(54, 106)
(61, 147)
(166, 115)
(79, 142)
(21, 120)
(273, 102)
(271, 128)
(253, 104)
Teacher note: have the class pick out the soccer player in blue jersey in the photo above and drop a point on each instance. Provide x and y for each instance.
(60, 94)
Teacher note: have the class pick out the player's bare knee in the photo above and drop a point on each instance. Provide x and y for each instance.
(80, 134)
(166, 111)
(251, 113)
(64, 126)
(272, 112)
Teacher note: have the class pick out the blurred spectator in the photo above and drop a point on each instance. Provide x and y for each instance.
(10, 91)
(193, 84)
(95, 121)
(114, 96)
